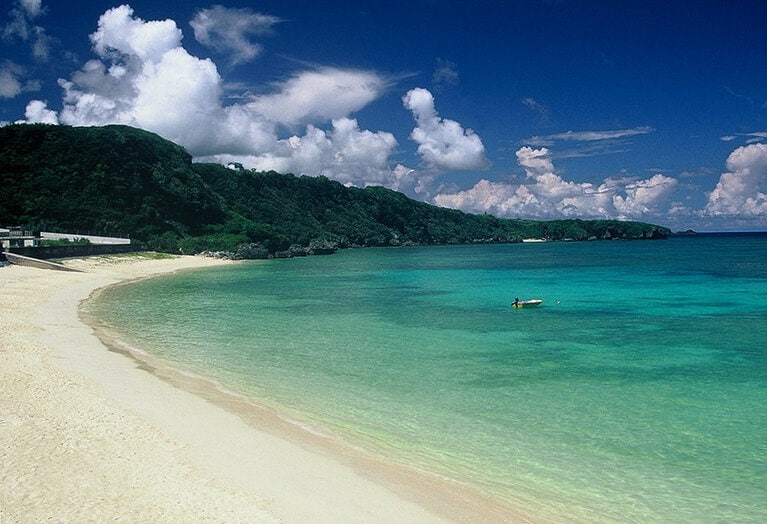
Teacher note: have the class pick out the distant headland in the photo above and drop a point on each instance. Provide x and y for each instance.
(125, 182)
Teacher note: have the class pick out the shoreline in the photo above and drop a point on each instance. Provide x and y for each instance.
(110, 440)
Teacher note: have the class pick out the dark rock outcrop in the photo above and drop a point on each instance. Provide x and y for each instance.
(252, 251)
(322, 247)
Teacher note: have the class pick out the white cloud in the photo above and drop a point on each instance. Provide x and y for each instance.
(741, 190)
(147, 80)
(228, 30)
(21, 28)
(751, 138)
(442, 144)
(32, 8)
(120, 35)
(143, 77)
(344, 153)
(535, 161)
(319, 96)
(14, 80)
(496, 198)
(644, 198)
(404, 178)
(545, 194)
(21, 15)
(587, 136)
(9, 81)
(445, 73)
(36, 112)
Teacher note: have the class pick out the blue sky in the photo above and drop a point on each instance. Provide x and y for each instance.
(640, 110)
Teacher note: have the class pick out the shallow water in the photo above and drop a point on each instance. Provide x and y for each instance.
(637, 392)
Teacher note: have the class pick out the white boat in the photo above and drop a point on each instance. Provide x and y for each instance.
(518, 304)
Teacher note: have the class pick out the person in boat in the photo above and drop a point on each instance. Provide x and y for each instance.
(516, 302)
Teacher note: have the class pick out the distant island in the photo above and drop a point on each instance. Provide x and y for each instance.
(118, 179)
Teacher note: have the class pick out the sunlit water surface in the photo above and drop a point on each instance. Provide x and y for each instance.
(637, 392)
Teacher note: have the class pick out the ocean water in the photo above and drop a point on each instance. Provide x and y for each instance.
(637, 392)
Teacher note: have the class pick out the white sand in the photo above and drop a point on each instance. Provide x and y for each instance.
(90, 435)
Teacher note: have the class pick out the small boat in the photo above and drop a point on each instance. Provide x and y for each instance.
(535, 302)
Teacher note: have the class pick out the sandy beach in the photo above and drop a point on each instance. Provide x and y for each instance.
(90, 433)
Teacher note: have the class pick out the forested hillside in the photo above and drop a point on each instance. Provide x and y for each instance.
(118, 179)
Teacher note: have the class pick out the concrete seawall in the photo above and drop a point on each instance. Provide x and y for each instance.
(21, 260)
(49, 252)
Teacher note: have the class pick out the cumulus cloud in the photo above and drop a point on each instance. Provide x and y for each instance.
(21, 27)
(120, 35)
(319, 96)
(228, 30)
(535, 161)
(143, 77)
(404, 178)
(346, 153)
(741, 190)
(644, 198)
(37, 112)
(545, 194)
(442, 144)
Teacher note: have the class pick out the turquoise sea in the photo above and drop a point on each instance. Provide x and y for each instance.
(636, 393)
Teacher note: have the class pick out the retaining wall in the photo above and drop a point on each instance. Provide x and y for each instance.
(49, 252)
(21, 260)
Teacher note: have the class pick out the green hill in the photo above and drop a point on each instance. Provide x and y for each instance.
(118, 179)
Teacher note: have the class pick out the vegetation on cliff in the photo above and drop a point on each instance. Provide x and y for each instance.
(118, 179)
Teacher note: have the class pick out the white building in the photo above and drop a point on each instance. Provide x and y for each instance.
(17, 237)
